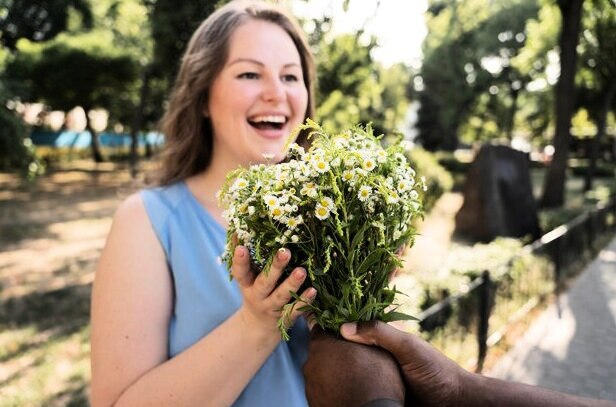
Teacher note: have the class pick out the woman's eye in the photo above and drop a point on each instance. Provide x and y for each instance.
(248, 75)
(289, 78)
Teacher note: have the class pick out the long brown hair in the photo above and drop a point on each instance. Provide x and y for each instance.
(188, 134)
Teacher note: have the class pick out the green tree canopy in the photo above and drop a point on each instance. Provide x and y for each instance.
(467, 77)
(38, 20)
(83, 70)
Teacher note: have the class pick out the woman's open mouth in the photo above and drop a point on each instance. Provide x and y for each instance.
(269, 122)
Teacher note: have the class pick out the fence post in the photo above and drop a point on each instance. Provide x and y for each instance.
(590, 233)
(484, 291)
(558, 262)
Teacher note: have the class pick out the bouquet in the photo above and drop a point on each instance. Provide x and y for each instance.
(345, 208)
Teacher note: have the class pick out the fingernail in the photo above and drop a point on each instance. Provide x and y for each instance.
(312, 293)
(281, 252)
(239, 251)
(348, 329)
(299, 274)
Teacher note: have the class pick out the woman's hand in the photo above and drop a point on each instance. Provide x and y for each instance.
(263, 299)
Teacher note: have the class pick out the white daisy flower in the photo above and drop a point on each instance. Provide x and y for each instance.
(310, 190)
(364, 193)
(321, 212)
(404, 185)
(319, 164)
(276, 212)
(271, 200)
(239, 183)
(400, 158)
(294, 222)
(327, 202)
(368, 163)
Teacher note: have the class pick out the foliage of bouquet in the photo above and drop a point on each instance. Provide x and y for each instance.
(344, 208)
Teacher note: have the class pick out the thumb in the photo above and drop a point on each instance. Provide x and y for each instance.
(376, 333)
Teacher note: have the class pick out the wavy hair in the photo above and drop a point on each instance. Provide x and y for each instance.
(188, 134)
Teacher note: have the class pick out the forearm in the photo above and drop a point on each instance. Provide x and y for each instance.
(214, 371)
(486, 391)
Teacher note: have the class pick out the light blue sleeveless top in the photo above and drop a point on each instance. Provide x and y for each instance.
(204, 296)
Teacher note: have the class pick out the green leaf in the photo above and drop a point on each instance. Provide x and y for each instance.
(397, 316)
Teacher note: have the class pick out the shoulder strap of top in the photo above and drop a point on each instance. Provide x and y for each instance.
(160, 203)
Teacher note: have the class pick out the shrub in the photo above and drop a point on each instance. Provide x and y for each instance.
(16, 149)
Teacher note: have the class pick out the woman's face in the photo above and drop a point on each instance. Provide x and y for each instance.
(258, 97)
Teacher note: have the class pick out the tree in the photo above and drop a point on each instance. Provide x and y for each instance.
(468, 84)
(72, 71)
(554, 186)
(16, 150)
(129, 23)
(535, 61)
(597, 72)
(172, 25)
(38, 20)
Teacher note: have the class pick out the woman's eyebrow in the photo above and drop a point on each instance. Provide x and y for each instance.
(256, 62)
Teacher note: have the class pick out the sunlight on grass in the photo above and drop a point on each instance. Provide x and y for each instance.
(37, 372)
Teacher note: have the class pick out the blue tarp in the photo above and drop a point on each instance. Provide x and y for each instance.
(76, 139)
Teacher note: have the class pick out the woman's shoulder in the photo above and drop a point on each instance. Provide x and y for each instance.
(131, 210)
(163, 198)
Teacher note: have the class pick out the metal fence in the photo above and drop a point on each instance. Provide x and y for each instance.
(466, 325)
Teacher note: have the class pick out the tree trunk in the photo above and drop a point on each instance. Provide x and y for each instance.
(96, 150)
(554, 186)
(515, 93)
(596, 142)
(138, 120)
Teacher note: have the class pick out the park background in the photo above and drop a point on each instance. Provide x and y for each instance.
(83, 84)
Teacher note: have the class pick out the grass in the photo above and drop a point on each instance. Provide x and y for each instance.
(52, 232)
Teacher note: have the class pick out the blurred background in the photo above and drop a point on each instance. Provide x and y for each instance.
(509, 106)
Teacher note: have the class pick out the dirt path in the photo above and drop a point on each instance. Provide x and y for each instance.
(51, 234)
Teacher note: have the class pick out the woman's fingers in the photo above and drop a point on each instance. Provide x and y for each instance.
(282, 294)
(266, 280)
(240, 269)
(293, 310)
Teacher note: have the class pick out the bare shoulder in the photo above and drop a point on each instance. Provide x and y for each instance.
(131, 222)
(132, 250)
(131, 209)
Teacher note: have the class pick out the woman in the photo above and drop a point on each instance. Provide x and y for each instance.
(168, 328)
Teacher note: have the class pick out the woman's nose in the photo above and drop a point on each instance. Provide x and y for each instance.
(273, 90)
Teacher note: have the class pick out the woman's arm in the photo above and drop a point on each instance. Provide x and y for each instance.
(131, 308)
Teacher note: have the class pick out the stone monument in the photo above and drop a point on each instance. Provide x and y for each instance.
(498, 196)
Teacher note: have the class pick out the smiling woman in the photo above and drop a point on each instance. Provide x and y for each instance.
(258, 98)
(167, 325)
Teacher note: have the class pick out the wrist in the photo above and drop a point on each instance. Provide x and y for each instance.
(470, 390)
(263, 331)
